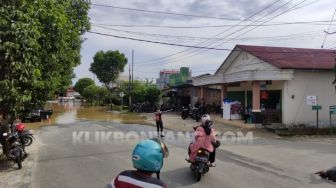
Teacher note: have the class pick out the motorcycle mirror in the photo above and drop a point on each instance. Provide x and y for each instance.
(163, 147)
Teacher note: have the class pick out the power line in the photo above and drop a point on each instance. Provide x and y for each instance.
(156, 42)
(328, 29)
(180, 37)
(162, 12)
(212, 48)
(322, 22)
(295, 7)
(198, 51)
(206, 41)
(188, 46)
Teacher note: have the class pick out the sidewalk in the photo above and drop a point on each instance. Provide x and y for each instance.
(11, 176)
(173, 121)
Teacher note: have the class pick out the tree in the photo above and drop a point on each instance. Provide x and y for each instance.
(39, 47)
(102, 95)
(107, 66)
(82, 83)
(91, 92)
(145, 91)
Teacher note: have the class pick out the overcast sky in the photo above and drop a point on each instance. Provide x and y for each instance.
(231, 28)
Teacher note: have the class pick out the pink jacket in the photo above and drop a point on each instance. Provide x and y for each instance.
(202, 140)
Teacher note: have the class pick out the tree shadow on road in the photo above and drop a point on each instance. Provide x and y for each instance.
(178, 177)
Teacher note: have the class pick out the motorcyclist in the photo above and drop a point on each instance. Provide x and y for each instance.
(147, 158)
(203, 137)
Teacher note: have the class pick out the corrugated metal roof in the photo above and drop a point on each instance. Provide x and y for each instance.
(293, 58)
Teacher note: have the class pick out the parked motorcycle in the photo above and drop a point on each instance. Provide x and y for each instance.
(194, 113)
(26, 136)
(16, 151)
(142, 107)
(185, 112)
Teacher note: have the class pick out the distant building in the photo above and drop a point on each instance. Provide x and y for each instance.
(70, 92)
(122, 82)
(173, 77)
(163, 80)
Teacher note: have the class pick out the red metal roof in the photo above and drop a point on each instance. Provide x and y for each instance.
(293, 58)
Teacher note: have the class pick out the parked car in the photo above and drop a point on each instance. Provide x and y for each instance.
(37, 115)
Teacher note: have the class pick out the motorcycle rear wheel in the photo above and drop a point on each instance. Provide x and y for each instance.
(28, 140)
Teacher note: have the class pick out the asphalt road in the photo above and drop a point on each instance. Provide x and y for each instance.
(89, 161)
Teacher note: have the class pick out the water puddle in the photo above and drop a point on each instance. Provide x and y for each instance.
(71, 112)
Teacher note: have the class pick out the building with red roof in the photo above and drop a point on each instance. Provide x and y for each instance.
(280, 83)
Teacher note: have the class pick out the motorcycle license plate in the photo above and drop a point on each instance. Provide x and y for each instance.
(201, 159)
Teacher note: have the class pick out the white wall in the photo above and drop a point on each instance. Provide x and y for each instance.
(305, 83)
(246, 61)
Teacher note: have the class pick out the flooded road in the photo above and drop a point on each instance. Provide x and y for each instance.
(71, 112)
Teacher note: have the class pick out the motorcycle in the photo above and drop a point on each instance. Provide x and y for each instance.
(26, 136)
(196, 114)
(185, 113)
(16, 152)
(201, 165)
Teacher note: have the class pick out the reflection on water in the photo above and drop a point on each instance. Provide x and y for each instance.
(70, 112)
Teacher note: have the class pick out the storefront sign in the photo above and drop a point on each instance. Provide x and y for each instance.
(311, 100)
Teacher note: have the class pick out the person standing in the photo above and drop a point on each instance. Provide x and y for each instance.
(248, 113)
(158, 120)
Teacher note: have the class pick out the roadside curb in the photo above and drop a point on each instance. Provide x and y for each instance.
(32, 158)
(11, 177)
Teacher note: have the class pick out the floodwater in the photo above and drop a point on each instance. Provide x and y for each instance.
(72, 112)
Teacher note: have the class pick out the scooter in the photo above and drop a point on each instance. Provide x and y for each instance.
(201, 165)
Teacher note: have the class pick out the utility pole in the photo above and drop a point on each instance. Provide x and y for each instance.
(132, 68)
(129, 86)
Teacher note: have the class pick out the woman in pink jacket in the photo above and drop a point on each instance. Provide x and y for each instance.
(204, 137)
